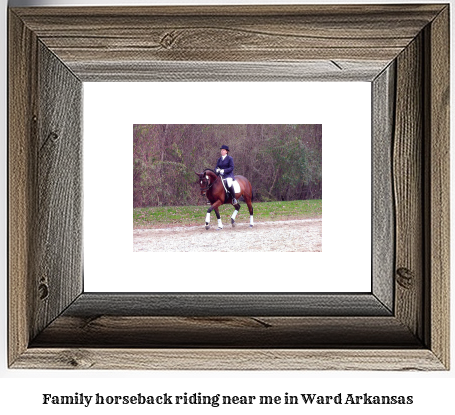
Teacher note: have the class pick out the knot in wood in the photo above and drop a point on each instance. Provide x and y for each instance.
(43, 291)
(405, 278)
(53, 136)
(76, 359)
(168, 40)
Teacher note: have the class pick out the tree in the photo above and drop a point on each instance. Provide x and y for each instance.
(283, 162)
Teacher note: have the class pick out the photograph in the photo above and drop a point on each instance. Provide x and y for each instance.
(227, 187)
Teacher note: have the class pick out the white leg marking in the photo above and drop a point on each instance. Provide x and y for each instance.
(220, 225)
(234, 214)
(251, 220)
(207, 218)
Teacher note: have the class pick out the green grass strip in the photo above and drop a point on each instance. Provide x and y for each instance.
(160, 217)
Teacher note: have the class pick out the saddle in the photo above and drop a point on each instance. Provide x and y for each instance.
(234, 183)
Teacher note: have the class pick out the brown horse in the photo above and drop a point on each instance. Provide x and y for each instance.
(212, 187)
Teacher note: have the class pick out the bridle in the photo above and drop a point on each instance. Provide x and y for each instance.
(209, 184)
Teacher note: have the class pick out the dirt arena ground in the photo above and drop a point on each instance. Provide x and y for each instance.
(284, 236)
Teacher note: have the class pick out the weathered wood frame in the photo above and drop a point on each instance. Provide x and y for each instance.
(403, 50)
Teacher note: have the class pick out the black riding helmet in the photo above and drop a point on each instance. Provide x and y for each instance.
(224, 148)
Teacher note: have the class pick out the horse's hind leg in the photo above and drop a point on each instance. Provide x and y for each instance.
(237, 208)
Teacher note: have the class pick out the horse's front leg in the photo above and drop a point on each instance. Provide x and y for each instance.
(209, 210)
(237, 208)
(218, 216)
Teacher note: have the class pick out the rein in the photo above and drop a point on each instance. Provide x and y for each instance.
(208, 187)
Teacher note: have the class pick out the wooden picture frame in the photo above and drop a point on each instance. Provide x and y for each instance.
(403, 324)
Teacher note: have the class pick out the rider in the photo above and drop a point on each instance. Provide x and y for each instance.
(225, 167)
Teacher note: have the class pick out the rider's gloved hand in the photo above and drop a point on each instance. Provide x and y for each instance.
(221, 171)
(217, 170)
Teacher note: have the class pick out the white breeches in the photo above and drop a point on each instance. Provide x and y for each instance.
(229, 181)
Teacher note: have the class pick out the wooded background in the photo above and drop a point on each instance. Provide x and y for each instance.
(282, 162)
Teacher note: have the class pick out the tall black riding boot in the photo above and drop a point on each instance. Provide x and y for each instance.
(232, 192)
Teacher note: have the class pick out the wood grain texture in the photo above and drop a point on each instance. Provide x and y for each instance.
(408, 187)
(309, 71)
(89, 305)
(22, 94)
(228, 359)
(58, 209)
(53, 49)
(438, 199)
(226, 332)
(228, 34)
(383, 215)
(45, 187)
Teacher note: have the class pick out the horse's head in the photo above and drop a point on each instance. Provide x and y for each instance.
(205, 182)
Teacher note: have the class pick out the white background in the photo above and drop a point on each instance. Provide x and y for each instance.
(111, 109)
(21, 391)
